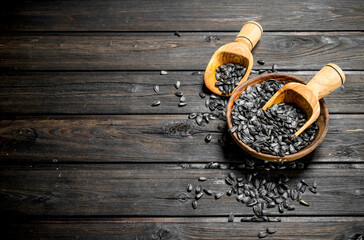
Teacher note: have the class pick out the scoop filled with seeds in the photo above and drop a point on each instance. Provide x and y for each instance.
(269, 135)
(306, 97)
(233, 62)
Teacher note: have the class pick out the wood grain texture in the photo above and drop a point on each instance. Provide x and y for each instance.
(164, 51)
(151, 138)
(110, 93)
(144, 15)
(150, 190)
(176, 228)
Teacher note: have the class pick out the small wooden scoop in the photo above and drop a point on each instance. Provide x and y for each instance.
(306, 97)
(237, 52)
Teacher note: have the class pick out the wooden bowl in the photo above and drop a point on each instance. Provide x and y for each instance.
(322, 121)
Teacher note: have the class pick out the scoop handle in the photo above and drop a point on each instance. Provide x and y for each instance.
(327, 80)
(250, 34)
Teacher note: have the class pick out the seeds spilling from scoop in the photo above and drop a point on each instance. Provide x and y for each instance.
(228, 77)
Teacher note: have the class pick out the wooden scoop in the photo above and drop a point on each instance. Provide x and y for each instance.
(237, 52)
(306, 97)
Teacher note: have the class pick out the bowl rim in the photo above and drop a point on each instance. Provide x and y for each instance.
(290, 157)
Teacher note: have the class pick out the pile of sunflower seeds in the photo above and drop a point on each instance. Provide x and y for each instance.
(228, 77)
(269, 131)
(258, 192)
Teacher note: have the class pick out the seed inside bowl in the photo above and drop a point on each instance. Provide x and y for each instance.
(271, 131)
(228, 77)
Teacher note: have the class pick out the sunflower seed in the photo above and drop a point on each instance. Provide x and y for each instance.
(179, 94)
(181, 104)
(207, 191)
(271, 230)
(219, 195)
(156, 88)
(199, 120)
(261, 62)
(156, 103)
(199, 195)
(208, 137)
(194, 204)
(198, 189)
(177, 34)
(280, 208)
(229, 181)
(232, 176)
(202, 95)
(262, 234)
(164, 72)
(304, 203)
(291, 208)
(189, 187)
(192, 116)
(314, 184)
(272, 219)
(313, 190)
(252, 202)
(229, 192)
(304, 182)
(233, 128)
(202, 179)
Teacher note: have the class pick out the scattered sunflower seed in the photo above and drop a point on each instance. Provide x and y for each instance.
(219, 195)
(194, 204)
(208, 137)
(177, 84)
(156, 88)
(182, 104)
(261, 62)
(199, 195)
(164, 72)
(262, 234)
(189, 187)
(177, 34)
(304, 203)
(201, 179)
(179, 94)
(207, 191)
(198, 189)
(229, 181)
(313, 190)
(192, 116)
(156, 103)
(291, 207)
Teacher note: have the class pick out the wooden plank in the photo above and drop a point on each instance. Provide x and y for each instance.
(195, 228)
(150, 190)
(144, 15)
(151, 138)
(110, 93)
(164, 51)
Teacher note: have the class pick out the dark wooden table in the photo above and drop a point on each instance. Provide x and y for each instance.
(84, 155)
